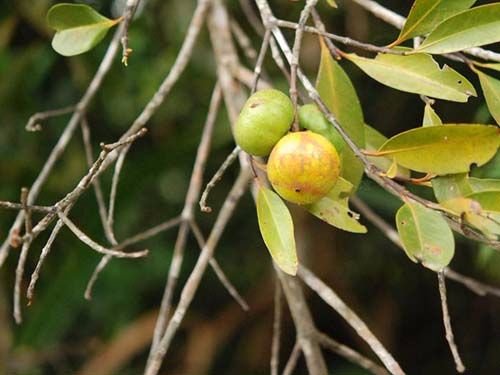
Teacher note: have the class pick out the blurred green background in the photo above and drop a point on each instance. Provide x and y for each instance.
(62, 333)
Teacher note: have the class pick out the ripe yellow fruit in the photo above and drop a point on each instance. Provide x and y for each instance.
(264, 119)
(303, 167)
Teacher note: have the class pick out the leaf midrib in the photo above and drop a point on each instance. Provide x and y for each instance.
(403, 36)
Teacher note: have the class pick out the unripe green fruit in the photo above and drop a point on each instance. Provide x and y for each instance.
(311, 118)
(303, 167)
(264, 119)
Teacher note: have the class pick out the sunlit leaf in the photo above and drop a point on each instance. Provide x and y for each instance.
(338, 93)
(332, 3)
(78, 28)
(418, 74)
(491, 91)
(276, 227)
(442, 150)
(373, 141)
(451, 186)
(425, 235)
(471, 28)
(430, 117)
(334, 208)
(426, 14)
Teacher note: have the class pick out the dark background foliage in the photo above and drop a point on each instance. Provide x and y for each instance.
(62, 331)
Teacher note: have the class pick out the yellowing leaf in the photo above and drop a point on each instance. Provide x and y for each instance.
(78, 28)
(373, 141)
(334, 208)
(339, 95)
(276, 227)
(489, 200)
(470, 28)
(418, 74)
(442, 150)
(491, 91)
(430, 117)
(426, 14)
(425, 235)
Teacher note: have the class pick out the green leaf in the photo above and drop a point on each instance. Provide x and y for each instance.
(442, 150)
(451, 186)
(418, 74)
(425, 235)
(483, 184)
(470, 211)
(334, 208)
(470, 28)
(491, 91)
(373, 141)
(276, 227)
(492, 66)
(339, 95)
(426, 14)
(489, 200)
(78, 28)
(332, 3)
(430, 117)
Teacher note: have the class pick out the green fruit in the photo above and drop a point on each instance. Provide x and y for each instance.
(264, 119)
(311, 118)
(303, 167)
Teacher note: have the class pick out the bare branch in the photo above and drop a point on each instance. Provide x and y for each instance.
(350, 354)
(148, 233)
(33, 124)
(330, 297)
(293, 359)
(126, 51)
(275, 347)
(447, 324)
(19, 279)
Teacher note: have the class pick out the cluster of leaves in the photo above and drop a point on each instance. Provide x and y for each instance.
(445, 153)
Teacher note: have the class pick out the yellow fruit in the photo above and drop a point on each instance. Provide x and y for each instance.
(303, 167)
(264, 119)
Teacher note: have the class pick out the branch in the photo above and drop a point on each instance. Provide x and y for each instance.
(292, 360)
(275, 347)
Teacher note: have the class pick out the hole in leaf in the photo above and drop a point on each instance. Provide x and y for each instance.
(459, 82)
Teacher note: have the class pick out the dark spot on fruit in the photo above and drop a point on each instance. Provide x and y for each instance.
(403, 222)
(255, 104)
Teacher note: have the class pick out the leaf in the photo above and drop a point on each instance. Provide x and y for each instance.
(471, 212)
(451, 186)
(418, 74)
(492, 66)
(430, 117)
(426, 14)
(78, 28)
(480, 184)
(471, 28)
(489, 200)
(491, 91)
(334, 209)
(276, 228)
(338, 93)
(332, 3)
(373, 141)
(441, 150)
(425, 235)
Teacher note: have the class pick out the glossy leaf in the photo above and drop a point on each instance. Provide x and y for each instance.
(442, 150)
(491, 91)
(471, 28)
(425, 15)
(78, 28)
(451, 186)
(425, 235)
(338, 93)
(418, 74)
(430, 117)
(334, 208)
(276, 227)
(373, 141)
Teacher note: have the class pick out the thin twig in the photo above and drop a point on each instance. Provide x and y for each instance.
(126, 51)
(216, 177)
(231, 289)
(350, 354)
(447, 324)
(293, 359)
(34, 125)
(148, 233)
(28, 225)
(260, 60)
(194, 279)
(243, 41)
(330, 297)
(275, 347)
(19, 279)
(321, 27)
